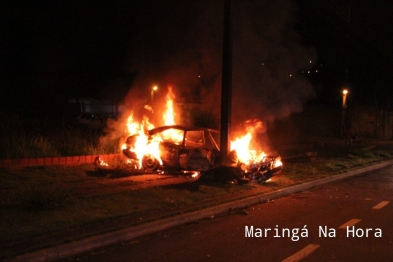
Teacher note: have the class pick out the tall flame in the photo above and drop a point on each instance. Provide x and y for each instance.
(142, 144)
(169, 115)
(169, 119)
(242, 144)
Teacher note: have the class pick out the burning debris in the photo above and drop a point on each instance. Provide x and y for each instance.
(195, 150)
(99, 162)
(264, 169)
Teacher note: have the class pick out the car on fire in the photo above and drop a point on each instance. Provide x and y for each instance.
(181, 147)
(196, 149)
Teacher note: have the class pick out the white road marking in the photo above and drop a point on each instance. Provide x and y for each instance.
(350, 223)
(381, 205)
(302, 253)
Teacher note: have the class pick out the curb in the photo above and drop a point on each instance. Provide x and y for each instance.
(99, 241)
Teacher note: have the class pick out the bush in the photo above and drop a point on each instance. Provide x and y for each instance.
(22, 137)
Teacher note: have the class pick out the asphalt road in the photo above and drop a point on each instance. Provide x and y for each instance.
(366, 202)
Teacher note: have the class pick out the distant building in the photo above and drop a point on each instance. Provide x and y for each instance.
(90, 105)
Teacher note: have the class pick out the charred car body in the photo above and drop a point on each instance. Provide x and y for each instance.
(197, 149)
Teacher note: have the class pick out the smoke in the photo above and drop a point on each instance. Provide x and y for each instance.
(179, 43)
(182, 47)
(267, 58)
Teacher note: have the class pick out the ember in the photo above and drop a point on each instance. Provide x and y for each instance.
(98, 161)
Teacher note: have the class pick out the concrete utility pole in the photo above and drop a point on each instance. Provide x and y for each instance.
(226, 89)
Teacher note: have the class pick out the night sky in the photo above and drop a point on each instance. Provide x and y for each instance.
(354, 42)
(57, 50)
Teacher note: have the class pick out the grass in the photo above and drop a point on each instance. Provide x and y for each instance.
(34, 196)
(22, 137)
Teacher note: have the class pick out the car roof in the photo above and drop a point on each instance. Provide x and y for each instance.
(183, 127)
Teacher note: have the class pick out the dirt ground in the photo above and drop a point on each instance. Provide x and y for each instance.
(115, 179)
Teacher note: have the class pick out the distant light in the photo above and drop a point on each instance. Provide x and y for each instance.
(199, 76)
(321, 64)
(263, 64)
(310, 61)
(309, 72)
(345, 92)
(316, 71)
(290, 75)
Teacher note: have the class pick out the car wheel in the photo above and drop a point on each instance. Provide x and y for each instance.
(150, 163)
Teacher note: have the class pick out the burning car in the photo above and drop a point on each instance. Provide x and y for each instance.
(177, 147)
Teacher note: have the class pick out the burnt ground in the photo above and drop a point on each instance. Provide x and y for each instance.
(120, 179)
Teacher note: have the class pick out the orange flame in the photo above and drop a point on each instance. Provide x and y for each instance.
(242, 144)
(141, 146)
(144, 145)
(278, 162)
(169, 119)
(169, 114)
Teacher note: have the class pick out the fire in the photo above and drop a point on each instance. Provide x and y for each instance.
(100, 162)
(169, 114)
(169, 118)
(242, 144)
(140, 145)
(278, 162)
(138, 128)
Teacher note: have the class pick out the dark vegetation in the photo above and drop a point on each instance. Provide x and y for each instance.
(30, 137)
